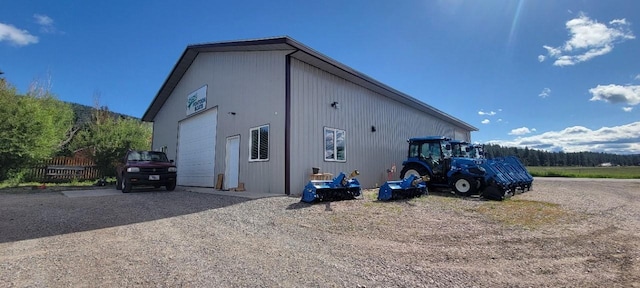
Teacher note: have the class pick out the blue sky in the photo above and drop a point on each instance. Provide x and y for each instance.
(552, 75)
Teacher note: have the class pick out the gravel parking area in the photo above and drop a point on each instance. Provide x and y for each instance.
(579, 233)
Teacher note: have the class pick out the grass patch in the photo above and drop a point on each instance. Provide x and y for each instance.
(621, 172)
(370, 194)
(524, 213)
(36, 187)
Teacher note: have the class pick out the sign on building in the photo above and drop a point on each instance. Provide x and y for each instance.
(197, 100)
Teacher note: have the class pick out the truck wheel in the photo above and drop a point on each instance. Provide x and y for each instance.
(464, 186)
(171, 186)
(126, 185)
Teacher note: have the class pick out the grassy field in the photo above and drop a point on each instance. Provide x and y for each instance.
(628, 172)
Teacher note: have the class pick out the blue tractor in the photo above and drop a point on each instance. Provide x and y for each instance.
(448, 165)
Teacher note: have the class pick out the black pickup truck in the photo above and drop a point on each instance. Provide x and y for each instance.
(150, 168)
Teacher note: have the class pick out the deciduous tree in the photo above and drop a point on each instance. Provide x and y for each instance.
(32, 127)
(109, 137)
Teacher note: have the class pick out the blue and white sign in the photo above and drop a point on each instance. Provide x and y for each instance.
(197, 101)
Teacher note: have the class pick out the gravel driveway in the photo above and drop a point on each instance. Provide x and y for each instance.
(186, 239)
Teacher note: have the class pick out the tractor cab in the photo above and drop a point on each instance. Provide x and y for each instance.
(435, 153)
(460, 149)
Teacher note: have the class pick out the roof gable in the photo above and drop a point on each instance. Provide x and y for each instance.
(300, 52)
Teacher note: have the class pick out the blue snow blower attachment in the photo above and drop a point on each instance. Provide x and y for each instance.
(412, 186)
(340, 188)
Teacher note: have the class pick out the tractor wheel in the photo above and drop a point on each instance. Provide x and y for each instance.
(464, 186)
(411, 170)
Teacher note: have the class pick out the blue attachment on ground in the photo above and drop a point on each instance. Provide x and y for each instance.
(340, 188)
(412, 186)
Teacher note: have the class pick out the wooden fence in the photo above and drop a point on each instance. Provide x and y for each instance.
(64, 169)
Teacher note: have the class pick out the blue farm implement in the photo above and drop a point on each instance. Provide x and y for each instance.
(412, 186)
(340, 188)
(522, 177)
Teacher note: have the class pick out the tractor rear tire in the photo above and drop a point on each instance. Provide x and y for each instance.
(464, 185)
(412, 170)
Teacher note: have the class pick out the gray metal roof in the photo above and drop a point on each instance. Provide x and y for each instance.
(302, 53)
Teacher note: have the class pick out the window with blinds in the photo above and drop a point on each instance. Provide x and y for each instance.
(259, 143)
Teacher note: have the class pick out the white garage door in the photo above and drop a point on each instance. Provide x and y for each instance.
(197, 149)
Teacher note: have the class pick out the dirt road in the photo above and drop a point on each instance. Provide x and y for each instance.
(564, 233)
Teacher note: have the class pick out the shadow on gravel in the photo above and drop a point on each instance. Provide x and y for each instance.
(302, 205)
(36, 215)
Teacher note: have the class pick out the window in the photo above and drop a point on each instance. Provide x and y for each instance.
(259, 143)
(334, 145)
(413, 150)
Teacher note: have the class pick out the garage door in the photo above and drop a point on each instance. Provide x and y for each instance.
(197, 149)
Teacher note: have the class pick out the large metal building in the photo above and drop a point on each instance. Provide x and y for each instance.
(264, 112)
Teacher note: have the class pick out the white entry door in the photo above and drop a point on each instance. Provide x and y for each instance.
(232, 162)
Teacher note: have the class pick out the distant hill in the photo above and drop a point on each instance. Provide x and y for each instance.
(84, 113)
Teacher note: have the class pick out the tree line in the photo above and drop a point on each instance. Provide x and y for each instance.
(533, 157)
(36, 126)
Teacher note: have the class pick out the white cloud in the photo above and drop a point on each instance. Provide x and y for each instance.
(627, 109)
(45, 22)
(545, 93)
(588, 39)
(485, 121)
(520, 131)
(16, 36)
(637, 77)
(618, 22)
(553, 52)
(500, 120)
(630, 95)
(43, 19)
(623, 139)
(490, 113)
(541, 58)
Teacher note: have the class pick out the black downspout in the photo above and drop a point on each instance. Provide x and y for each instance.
(287, 124)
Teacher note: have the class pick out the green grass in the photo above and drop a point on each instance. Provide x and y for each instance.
(525, 213)
(626, 172)
(9, 187)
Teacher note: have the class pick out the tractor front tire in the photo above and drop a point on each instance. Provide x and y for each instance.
(464, 185)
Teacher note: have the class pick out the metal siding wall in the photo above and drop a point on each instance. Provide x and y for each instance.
(249, 84)
(312, 92)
